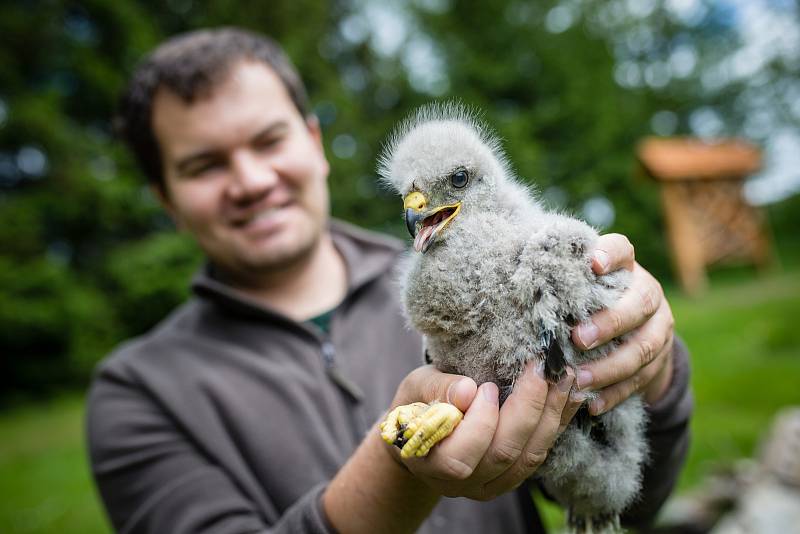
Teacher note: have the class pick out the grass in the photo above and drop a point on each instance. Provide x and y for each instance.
(44, 475)
(745, 351)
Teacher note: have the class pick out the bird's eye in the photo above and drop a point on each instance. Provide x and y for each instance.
(459, 178)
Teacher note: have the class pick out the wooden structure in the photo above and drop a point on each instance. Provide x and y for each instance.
(708, 219)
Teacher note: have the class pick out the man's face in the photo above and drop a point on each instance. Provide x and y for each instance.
(244, 172)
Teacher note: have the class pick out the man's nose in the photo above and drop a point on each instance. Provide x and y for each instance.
(251, 176)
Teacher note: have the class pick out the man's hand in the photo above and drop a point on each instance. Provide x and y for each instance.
(493, 450)
(643, 363)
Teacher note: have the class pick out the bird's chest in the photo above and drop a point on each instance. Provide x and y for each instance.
(455, 291)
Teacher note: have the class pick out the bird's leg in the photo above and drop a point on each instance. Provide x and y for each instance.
(416, 428)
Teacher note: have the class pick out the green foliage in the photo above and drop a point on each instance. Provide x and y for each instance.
(148, 277)
(53, 326)
(84, 262)
(784, 218)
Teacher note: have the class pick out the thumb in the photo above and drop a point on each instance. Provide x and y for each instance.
(427, 384)
(461, 392)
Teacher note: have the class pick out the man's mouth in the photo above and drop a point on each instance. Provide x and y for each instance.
(258, 216)
(432, 225)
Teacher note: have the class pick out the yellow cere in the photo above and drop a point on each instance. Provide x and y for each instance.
(415, 200)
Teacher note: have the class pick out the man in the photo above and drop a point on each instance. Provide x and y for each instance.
(254, 406)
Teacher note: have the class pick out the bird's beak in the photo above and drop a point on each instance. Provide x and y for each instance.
(432, 221)
(414, 204)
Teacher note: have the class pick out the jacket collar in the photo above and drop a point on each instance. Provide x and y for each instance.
(367, 256)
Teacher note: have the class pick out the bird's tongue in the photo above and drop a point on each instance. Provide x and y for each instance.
(422, 236)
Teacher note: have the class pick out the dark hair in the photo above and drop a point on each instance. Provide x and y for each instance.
(191, 65)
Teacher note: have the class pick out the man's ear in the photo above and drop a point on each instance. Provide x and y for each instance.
(312, 123)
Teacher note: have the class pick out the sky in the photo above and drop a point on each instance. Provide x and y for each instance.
(770, 29)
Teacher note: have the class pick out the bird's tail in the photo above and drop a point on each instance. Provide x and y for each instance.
(594, 470)
(598, 524)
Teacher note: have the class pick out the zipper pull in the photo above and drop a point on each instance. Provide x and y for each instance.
(329, 358)
(328, 354)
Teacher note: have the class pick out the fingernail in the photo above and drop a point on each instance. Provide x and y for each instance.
(578, 396)
(565, 384)
(597, 406)
(584, 378)
(601, 257)
(588, 334)
(491, 393)
(452, 391)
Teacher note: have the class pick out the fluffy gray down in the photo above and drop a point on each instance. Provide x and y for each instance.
(503, 283)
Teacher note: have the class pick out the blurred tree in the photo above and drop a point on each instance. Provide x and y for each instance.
(82, 264)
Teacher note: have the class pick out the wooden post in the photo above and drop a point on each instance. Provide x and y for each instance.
(707, 218)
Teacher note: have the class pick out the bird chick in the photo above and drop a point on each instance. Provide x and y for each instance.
(496, 281)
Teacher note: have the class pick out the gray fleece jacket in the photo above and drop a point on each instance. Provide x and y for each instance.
(231, 418)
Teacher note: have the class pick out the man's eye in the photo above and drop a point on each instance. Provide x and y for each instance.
(267, 142)
(459, 178)
(204, 168)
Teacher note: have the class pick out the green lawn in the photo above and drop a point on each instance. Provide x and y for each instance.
(44, 475)
(745, 349)
(746, 364)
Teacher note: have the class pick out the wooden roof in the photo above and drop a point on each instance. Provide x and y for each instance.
(685, 158)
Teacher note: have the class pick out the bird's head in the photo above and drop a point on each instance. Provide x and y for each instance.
(446, 165)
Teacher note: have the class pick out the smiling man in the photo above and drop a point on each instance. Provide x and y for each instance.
(245, 174)
(254, 406)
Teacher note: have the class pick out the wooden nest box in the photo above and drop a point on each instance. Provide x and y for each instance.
(708, 219)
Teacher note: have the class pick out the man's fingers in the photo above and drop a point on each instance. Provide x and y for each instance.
(456, 457)
(536, 450)
(427, 384)
(460, 393)
(636, 305)
(612, 252)
(519, 417)
(636, 352)
(574, 403)
(615, 394)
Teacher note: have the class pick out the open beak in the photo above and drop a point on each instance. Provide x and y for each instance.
(423, 224)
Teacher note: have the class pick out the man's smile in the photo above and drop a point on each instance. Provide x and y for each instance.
(260, 215)
(259, 210)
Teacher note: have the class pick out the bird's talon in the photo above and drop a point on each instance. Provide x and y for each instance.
(394, 426)
(416, 428)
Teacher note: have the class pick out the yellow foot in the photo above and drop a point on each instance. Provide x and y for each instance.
(415, 428)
